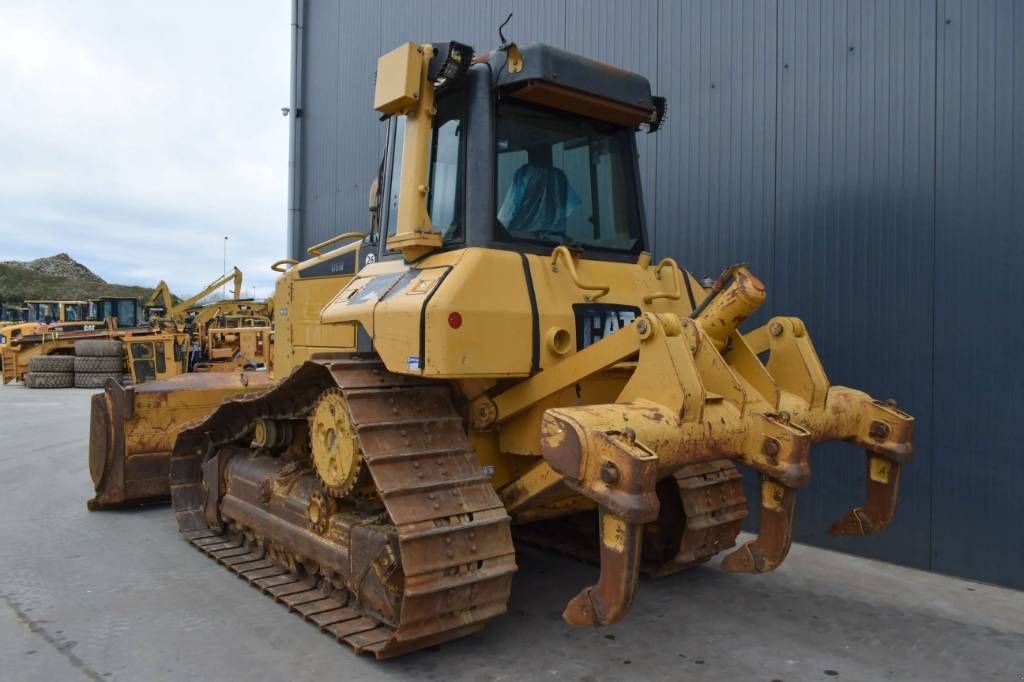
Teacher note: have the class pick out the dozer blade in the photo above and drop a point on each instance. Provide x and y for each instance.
(132, 431)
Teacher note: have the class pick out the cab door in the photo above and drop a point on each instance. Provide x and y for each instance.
(146, 360)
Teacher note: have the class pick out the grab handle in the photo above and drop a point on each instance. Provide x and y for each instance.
(566, 255)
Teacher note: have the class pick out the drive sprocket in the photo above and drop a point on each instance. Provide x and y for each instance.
(333, 445)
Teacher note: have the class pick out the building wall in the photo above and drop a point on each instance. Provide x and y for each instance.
(865, 157)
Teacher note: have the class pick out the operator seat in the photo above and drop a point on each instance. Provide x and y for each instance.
(540, 198)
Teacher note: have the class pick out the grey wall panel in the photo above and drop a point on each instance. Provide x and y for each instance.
(979, 371)
(854, 233)
(320, 149)
(624, 34)
(341, 136)
(715, 159)
(473, 23)
(359, 133)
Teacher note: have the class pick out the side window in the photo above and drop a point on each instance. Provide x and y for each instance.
(126, 314)
(143, 366)
(445, 168)
(396, 176)
(444, 196)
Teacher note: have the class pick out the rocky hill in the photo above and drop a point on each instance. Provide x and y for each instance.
(57, 277)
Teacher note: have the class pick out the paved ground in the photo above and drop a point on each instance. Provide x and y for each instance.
(117, 595)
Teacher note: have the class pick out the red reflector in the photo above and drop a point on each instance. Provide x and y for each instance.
(454, 320)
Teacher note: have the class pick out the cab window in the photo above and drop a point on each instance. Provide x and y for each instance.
(126, 316)
(143, 362)
(565, 180)
(445, 197)
(396, 176)
(161, 361)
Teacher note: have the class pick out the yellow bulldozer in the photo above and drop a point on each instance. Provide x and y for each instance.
(500, 356)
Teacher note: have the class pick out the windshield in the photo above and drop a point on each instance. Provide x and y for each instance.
(565, 180)
(74, 312)
(126, 313)
(44, 312)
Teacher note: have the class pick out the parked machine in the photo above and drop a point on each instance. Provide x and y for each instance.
(508, 359)
(160, 338)
(226, 334)
(70, 322)
(38, 317)
(161, 306)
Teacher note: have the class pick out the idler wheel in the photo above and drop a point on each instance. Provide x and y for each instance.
(319, 512)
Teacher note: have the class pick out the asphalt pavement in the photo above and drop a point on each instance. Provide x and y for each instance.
(119, 596)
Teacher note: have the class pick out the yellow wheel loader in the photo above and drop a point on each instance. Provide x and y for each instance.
(509, 360)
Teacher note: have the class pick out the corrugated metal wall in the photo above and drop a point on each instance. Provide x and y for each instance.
(865, 157)
(978, 411)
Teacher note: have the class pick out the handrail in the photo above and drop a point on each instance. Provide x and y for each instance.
(676, 274)
(566, 255)
(276, 265)
(315, 250)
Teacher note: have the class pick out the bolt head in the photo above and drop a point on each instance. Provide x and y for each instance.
(771, 447)
(775, 329)
(610, 473)
(879, 430)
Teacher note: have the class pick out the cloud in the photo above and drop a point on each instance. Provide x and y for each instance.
(137, 135)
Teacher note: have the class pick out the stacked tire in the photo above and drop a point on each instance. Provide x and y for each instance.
(50, 371)
(97, 360)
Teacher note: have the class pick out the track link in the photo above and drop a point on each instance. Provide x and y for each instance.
(702, 511)
(714, 506)
(455, 551)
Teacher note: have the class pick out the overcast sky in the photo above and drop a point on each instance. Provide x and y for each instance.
(135, 136)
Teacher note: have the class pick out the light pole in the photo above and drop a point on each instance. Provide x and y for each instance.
(224, 287)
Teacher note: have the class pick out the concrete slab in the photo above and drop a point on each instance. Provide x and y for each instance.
(118, 595)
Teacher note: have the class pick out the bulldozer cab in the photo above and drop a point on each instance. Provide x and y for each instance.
(126, 311)
(521, 160)
(51, 312)
(156, 358)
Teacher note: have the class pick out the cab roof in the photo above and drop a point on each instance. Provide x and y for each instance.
(553, 77)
